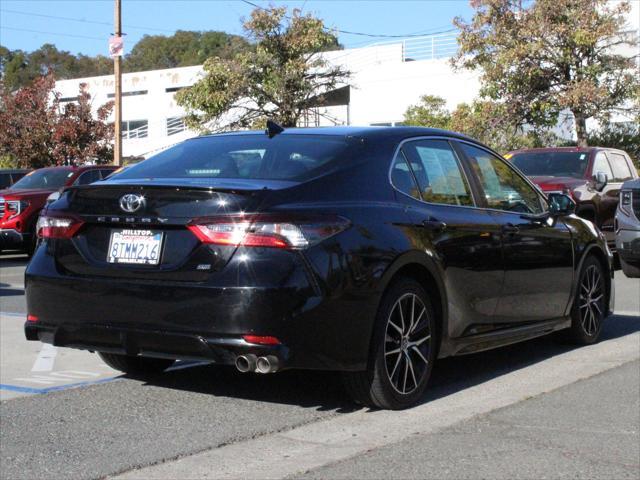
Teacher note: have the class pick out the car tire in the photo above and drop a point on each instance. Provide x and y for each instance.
(402, 351)
(629, 270)
(590, 305)
(134, 365)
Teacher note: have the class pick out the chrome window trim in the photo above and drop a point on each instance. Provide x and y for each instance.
(458, 160)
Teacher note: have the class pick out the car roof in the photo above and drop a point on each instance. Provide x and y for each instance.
(80, 168)
(564, 149)
(362, 132)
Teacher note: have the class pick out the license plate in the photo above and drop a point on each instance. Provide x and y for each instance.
(142, 247)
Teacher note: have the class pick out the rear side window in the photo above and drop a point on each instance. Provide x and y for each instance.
(402, 178)
(88, 177)
(621, 170)
(438, 172)
(283, 157)
(106, 172)
(5, 180)
(503, 187)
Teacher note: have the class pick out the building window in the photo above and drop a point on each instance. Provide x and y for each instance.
(68, 99)
(129, 94)
(173, 89)
(135, 129)
(175, 125)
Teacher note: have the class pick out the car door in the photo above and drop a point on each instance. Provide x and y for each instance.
(445, 223)
(537, 252)
(607, 199)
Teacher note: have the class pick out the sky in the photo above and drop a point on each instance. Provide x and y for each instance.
(27, 24)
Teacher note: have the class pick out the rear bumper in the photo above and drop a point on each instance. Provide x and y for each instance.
(199, 320)
(150, 343)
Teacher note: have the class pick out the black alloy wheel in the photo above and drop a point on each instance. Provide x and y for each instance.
(590, 305)
(403, 350)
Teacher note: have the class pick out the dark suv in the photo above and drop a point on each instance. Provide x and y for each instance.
(21, 203)
(592, 176)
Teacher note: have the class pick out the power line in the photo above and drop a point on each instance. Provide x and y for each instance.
(361, 34)
(53, 33)
(81, 20)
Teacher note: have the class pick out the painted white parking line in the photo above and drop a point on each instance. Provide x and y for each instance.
(45, 359)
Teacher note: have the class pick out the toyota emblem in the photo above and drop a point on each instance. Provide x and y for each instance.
(132, 202)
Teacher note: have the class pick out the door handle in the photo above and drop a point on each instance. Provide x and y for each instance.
(509, 228)
(434, 225)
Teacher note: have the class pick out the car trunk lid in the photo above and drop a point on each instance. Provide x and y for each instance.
(165, 211)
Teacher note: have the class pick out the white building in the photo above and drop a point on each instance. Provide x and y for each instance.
(386, 79)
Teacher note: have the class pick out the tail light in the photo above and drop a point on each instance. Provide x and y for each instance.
(57, 227)
(267, 230)
(625, 201)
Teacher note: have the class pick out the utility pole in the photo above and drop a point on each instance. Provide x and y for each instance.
(117, 71)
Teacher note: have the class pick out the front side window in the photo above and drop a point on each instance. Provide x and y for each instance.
(621, 171)
(438, 172)
(503, 187)
(600, 164)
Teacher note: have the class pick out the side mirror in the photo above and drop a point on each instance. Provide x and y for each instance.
(561, 204)
(600, 181)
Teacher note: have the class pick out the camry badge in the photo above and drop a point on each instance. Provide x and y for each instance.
(132, 202)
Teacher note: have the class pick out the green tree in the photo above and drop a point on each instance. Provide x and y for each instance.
(184, 48)
(19, 69)
(543, 57)
(14, 69)
(484, 120)
(431, 112)
(281, 78)
(489, 122)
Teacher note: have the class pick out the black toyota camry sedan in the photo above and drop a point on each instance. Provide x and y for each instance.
(369, 251)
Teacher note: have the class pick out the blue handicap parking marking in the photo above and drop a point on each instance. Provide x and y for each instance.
(34, 390)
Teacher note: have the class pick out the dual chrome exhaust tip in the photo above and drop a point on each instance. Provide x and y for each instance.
(253, 363)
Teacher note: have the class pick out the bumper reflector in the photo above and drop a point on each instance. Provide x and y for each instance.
(261, 340)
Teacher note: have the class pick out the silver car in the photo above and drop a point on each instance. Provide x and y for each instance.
(627, 227)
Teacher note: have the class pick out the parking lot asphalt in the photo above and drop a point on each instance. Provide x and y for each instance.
(79, 419)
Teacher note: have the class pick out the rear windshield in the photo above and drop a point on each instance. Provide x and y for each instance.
(50, 179)
(554, 164)
(284, 157)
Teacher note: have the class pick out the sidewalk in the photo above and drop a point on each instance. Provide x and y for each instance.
(589, 429)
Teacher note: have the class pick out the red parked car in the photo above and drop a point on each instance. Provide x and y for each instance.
(21, 203)
(592, 176)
